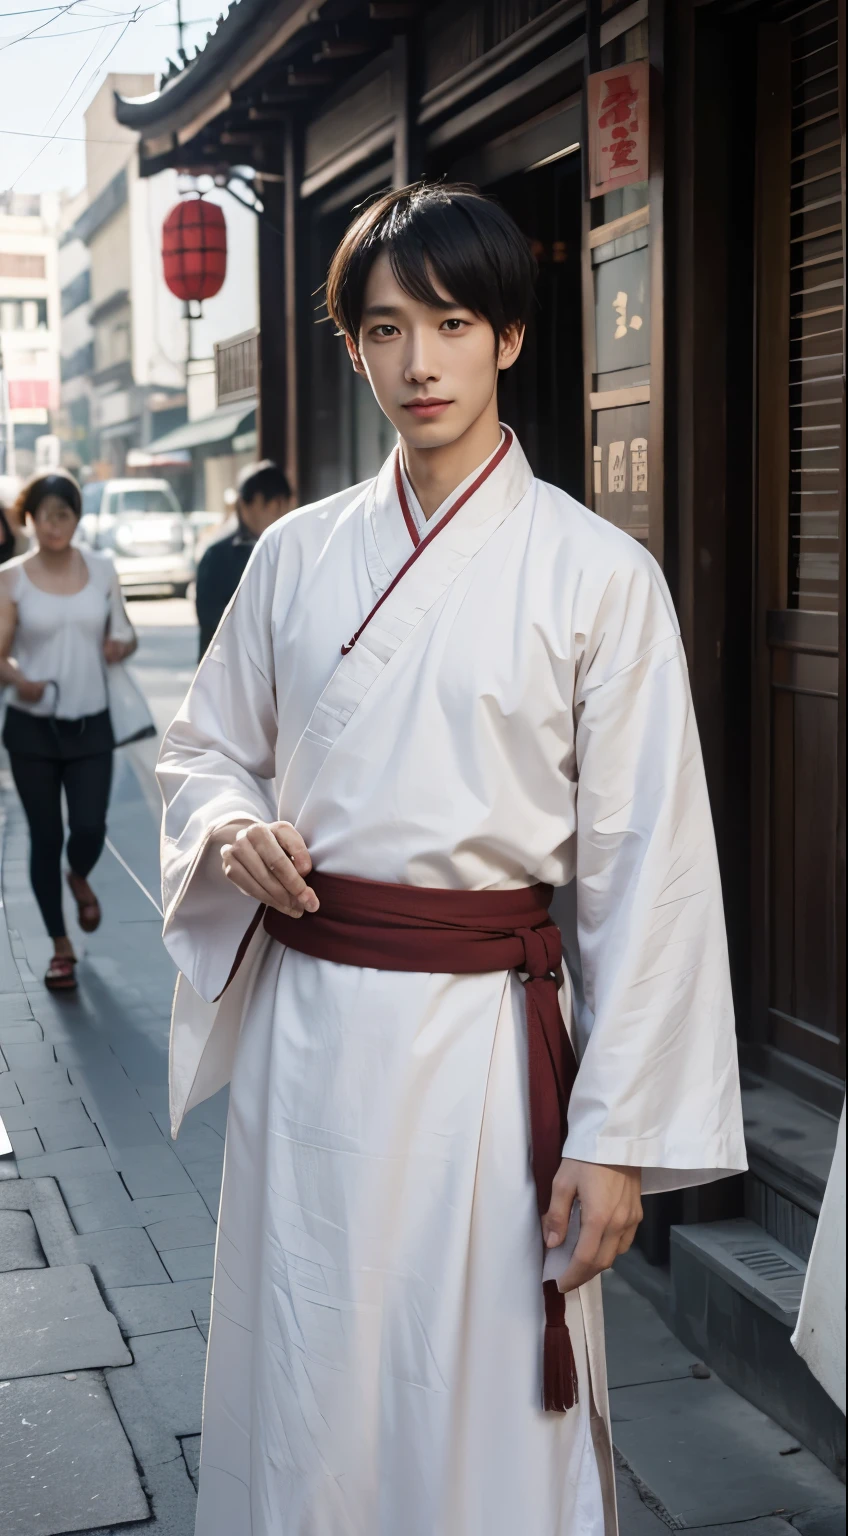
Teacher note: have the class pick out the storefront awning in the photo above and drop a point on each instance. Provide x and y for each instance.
(220, 427)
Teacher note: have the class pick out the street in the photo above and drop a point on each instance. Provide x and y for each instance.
(107, 1233)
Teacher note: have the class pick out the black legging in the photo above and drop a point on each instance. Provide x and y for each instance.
(39, 782)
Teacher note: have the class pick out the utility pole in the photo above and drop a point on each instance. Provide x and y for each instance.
(180, 33)
(7, 440)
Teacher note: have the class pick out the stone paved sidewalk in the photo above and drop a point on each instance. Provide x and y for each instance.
(106, 1242)
(107, 1232)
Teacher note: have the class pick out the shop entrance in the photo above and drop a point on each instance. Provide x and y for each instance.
(542, 396)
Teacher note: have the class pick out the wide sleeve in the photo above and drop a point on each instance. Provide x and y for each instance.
(658, 1083)
(217, 765)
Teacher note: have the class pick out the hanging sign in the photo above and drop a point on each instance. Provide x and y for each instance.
(618, 127)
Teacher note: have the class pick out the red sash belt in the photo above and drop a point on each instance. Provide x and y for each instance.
(414, 928)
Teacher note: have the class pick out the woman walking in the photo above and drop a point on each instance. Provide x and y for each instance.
(62, 623)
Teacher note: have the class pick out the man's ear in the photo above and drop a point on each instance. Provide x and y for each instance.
(353, 354)
(510, 343)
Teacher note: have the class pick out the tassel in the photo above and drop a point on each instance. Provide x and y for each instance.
(559, 1389)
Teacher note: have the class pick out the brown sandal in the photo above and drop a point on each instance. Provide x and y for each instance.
(88, 908)
(60, 975)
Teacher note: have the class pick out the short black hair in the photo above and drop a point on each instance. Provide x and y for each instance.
(62, 485)
(265, 479)
(448, 231)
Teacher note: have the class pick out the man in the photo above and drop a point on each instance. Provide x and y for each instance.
(434, 698)
(264, 496)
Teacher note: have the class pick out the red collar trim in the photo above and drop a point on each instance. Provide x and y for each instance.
(411, 526)
(442, 523)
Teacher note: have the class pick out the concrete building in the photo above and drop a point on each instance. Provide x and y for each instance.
(76, 364)
(137, 332)
(29, 325)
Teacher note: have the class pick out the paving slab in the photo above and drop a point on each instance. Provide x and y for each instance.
(639, 1515)
(153, 1170)
(18, 1030)
(182, 1232)
(64, 1458)
(206, 1179)
(191, 1454)
(821, 1522)
(25, 1143)
(190, 1263)
(98, 1201)
(173, 1501)
(144, 1309)
(19, 1245)
(17, 1117)
(55, 1320)
(711, 1457)
(58, 1165)
(15, 1010)
(122, 1256)
(45, 1083)
(151, 1438)
(64, 1126)
(157, 1208)
(197, 1143)
(8, 1090)
(24, 1055)
(171, 1367)
(134, 1127)
(42, 1200)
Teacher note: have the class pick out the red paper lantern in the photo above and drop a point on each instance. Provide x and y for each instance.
(194, 249)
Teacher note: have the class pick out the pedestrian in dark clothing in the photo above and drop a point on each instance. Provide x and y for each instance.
(12, 540)
(264, 496)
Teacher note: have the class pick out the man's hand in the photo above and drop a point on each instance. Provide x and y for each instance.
(610, 1212)
(268, 863)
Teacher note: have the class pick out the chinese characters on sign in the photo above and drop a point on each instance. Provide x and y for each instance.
(620, 465)
(619, 304)
(618, 127)
(623, 312)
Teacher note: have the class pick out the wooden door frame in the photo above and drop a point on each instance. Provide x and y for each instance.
(841, 759)
(771, 470)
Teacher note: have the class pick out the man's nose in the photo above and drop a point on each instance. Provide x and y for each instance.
(422, 361)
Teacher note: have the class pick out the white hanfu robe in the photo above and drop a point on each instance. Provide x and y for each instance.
(517, 711)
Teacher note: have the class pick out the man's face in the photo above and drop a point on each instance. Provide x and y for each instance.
(259, 514)
(434, 372)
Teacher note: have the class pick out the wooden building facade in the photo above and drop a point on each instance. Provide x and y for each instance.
(685, 376)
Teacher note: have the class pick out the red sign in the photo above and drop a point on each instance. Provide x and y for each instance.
(618, 127)
(29, 394)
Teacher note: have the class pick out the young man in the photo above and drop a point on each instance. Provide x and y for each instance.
(435, 697)
(264, 496)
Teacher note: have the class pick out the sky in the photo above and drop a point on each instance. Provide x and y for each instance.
(53, 59)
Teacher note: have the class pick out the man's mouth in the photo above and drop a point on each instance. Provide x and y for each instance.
(426, 408)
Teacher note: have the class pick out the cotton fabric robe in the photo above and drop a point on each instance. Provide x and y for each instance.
(820, 1333)
(517, 711)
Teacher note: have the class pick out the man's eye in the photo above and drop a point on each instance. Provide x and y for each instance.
(454, 324)
(386, 330)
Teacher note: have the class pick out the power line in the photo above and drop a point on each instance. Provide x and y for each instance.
(59, 138)
(92, 77)
(61, 10)
(79, 31)
(38, 10)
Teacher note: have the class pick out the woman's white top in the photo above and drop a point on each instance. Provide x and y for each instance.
(59, 637)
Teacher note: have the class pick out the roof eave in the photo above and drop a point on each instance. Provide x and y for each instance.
(251, 33)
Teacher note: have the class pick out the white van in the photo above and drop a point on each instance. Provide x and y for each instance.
(142, 523)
